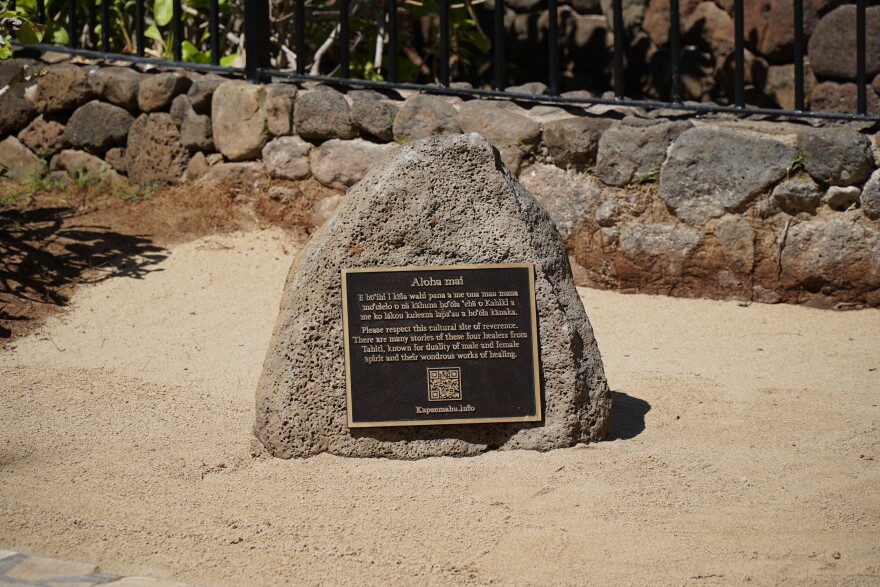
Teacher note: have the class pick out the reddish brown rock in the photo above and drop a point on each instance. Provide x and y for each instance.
(832, 47)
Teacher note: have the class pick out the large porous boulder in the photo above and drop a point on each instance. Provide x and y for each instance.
(63, 87)
(445, 200)
(117, 85)
(836, 156)
(154, 153)
(713, 170)
(841, 97)
(341, 164)
(44, 136)
(769, 27)
(513, 134)
(423, 115)
(323, 114)
(239, 120)
(17, 162)
(82, 166)
(832, 46)
(628, 152)
(158, 90)
(201, 92)
(16, 111)
(574, 142)
(98, 126)
(279, 109)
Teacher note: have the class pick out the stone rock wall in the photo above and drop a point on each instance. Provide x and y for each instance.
(660, 202)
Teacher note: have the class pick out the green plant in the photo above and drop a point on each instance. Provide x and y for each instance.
(17, 23)
(652, 176)
(797, 164)
(134, 193)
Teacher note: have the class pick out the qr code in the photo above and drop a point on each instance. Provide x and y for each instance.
(444, 384)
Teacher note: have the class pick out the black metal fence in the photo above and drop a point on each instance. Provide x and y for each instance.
(258, 57)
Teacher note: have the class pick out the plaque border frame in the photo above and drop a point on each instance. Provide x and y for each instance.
(537, 417)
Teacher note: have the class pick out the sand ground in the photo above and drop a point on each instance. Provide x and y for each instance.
(746, 448)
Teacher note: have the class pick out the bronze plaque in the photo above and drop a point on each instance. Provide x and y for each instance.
(452, 344)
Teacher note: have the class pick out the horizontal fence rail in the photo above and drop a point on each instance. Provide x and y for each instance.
(189, 34)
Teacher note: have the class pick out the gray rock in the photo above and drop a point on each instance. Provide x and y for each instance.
(15, 70)
(323, 114)
(279, 109)
(483, 215)
(82, 166)
(197, 132)
(608, 213)
(799, 194)
(157, 90)
(117, 85)
(712, 170)
(628, 152)
(44, 136)
(287, 158)
(660, 248)
(737, 239)
(565, 194)
(239, 120)
(832, 254)
(63, 87)
(529, 89)
(18, 163)
(340, 164)
(154, 154)
(870, 198)
(282, 194)
(842, 197)
(115, 158)
(16, 111)
(574, 142)
(201, 92)
(423, 116)
(180, 107)
(373, 114)
(98, 126)
(836, 156)
(832, 46)
(324, 209)
(841, 97)
(514, 135)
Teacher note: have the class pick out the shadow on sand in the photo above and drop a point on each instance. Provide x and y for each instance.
(43, 252)
(627, 416)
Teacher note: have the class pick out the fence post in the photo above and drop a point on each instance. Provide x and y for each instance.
(256, 38)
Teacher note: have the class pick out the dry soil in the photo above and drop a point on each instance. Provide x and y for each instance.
(745, 448)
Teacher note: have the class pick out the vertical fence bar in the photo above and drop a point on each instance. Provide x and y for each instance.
(140, 39)
(177, 28)
(256, 38)
(41, 11)
(105, 26)
(861, 57)
(443, 63)
(214, 24)
(619, 33)
(343, 39)
(71, 24)
(552, 47)
(299, 15)
(675, 49)
(740, 53)
(498, 35)
(392, 40)
(799, 55)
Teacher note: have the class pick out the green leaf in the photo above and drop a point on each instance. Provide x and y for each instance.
(190, 53)
(5, 50)
(229, 60)
(60, 36)
(153, 33)
(30, 33)
(163, 11)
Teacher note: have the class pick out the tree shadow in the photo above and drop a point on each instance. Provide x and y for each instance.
(43, 253)
(627, 416)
